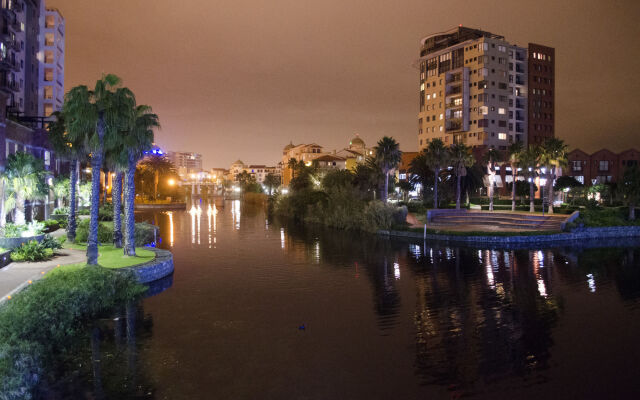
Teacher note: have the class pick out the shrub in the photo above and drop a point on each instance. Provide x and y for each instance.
(378, 216)
(51, 225)
(42, 324)
(105, 213)
(105, 232)
(31, 251)
(61, 211)
(143, 233)
(52, 243)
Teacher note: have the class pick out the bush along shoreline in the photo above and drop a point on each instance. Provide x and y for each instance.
(41, 326)
(337, 203)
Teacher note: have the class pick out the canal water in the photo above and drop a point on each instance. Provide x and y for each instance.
(260, 310)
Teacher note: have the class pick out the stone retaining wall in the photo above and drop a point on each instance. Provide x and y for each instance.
(158, 268)
(576, 235)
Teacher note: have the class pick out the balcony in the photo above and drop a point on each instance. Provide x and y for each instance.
(519, 69)
(519, 57)
(453, 104)
(8, 63)
(453, 90)
(519, 117)
(519, 104)
(519, 81)
(453, 126)
(8, 86)
(455, 79)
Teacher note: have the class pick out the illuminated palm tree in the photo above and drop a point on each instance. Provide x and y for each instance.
(460, 158)
(97, 116)
(388, 156)
(514, 151)
(553, 155)
(271, 181)
(436, 156)
(25, 176)
(491, 157)
(74, 152)
(138, 138)
(529, 160)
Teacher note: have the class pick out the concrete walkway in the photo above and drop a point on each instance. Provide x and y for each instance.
(16, 276)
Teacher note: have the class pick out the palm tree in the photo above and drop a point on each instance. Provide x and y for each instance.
(460, 157)
(61, 190)
(98, 116)
(436, 156)
(553, 155)
(388, 156)
(25, 176)
(514, 151)
(420, 173)
(271, 181)
(138, 138)
(74, 152)
(491, 157)
(155, 165)
(529, 160)
(631, 189)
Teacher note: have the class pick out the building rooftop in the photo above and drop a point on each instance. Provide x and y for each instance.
(442, 40)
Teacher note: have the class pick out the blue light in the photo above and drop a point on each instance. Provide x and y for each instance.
(159, 151)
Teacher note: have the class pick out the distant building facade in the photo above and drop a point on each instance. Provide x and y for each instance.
(478, 89)
(602, 166)
(186, 162)
(347, 158)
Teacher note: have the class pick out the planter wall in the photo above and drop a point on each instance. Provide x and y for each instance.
(11, 243)
(158, 268)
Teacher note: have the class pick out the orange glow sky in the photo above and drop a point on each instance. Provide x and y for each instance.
(240, 79)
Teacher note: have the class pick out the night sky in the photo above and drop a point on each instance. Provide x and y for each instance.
(240, 79)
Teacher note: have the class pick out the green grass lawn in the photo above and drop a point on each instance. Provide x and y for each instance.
(109, 257)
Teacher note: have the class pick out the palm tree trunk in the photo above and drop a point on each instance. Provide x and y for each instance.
(435, 187)
(513, 189)
(106, 180)
(532, 207)
(632, 212)
(156, 178)
(386, 187)
(116, 200)
(92, 241)
(490, 194)
(71, 219)
(96, 166)
(3, 213)
(129, 198)
(552, 173)
(458, 192)
(19, 216)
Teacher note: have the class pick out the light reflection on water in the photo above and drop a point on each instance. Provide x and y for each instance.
(383, 319)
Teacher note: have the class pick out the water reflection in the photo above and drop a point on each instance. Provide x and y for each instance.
(384, 319)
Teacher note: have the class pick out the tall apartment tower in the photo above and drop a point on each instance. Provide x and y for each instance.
(18, 54)
(51, 74)
(541, 83)
(474, 89)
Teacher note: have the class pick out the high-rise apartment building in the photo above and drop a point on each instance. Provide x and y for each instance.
(475, 89)
(185, 162)
(51, 55)
(31, 57)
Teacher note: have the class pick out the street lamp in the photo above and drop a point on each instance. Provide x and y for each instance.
(171, 182)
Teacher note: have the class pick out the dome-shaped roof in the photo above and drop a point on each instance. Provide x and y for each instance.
(289, 146)
(356, 141)
(238, 162)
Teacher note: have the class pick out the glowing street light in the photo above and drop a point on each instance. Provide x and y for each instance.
(171, 182)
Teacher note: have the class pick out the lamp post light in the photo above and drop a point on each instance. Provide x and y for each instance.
(543, 181)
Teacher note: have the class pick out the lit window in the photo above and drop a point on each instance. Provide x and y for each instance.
(440, 128)
(501, 110)
(428, 97)
(484, 110)
(434, 95)
(502, 136)
(441, 116)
